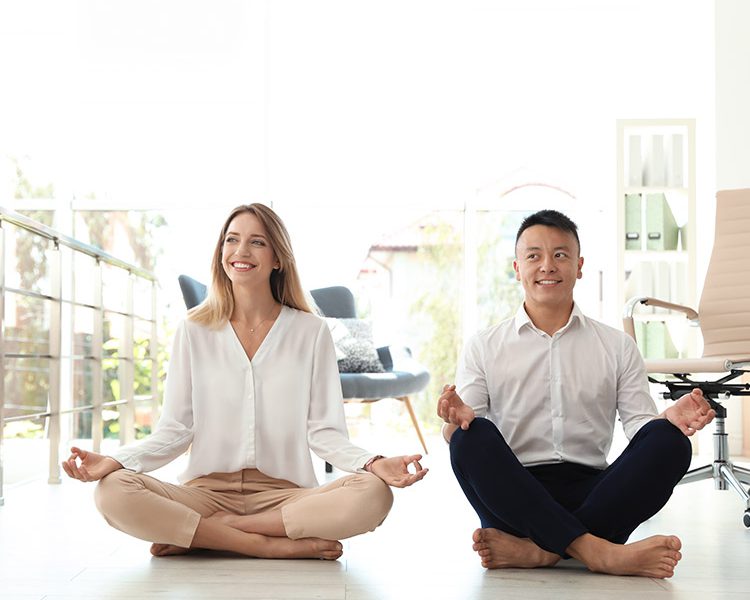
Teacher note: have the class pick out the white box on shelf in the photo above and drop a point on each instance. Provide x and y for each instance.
(675, 160)
(635, 161)
(654, 167)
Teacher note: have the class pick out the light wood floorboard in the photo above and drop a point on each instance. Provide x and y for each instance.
(55, 546)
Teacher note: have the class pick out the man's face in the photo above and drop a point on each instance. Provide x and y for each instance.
(547, 265)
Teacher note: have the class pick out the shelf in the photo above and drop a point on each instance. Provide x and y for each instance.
(675, 256)
(656, 194)
(655, 190)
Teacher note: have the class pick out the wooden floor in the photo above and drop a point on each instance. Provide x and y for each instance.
(54, 546)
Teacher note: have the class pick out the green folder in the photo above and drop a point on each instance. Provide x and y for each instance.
(632, 221)
(662, 232)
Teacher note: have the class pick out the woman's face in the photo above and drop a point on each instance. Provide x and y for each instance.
(247, 256)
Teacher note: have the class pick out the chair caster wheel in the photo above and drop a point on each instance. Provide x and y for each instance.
(746, 518)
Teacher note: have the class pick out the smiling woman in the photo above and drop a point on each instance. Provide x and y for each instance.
(251, 427)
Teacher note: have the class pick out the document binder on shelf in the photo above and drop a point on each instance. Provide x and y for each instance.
(633, 221)
(661, 228)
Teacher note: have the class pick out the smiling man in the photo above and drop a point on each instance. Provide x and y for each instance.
(530, 423)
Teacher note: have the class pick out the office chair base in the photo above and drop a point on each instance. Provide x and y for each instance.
(725, 475)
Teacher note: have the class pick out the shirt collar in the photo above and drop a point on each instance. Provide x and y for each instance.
(522, 318)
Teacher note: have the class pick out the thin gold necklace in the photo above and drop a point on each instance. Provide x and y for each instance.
(254, 327)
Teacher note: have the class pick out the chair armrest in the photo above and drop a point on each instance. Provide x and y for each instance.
(627, 317)
(391, 355)
(384, 354)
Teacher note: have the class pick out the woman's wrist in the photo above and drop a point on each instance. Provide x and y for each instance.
(369, 463)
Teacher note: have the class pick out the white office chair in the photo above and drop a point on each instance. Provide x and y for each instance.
(724, 319)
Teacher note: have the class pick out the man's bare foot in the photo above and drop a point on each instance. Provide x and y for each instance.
(278, 547)
(500, 550)
(656, 556)
(167, 550)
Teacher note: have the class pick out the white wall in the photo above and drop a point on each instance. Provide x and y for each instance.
(330, 109)
(732, 94)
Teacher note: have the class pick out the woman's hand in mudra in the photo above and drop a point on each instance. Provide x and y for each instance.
(88, 466)
(395, 470)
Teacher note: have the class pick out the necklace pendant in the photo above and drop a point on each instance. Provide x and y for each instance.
(252, 330)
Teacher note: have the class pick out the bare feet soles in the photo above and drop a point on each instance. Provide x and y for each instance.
(656, 556)
(500, 550)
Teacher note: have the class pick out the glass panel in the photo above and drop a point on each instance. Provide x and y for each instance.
(67, 258)
(84, 380)
(85, 279)
(142, 304)
(142, 383)
(26, 385)
(84, 373)
(410, 287)
(28, 260)
(498, 293)
(111, 379)
(142, 339)
(111, 423)
(144, 416)
(113, 334)
(84, 320)
(27, 324)
(115, 284)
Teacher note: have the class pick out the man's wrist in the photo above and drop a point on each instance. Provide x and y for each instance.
(369, 463)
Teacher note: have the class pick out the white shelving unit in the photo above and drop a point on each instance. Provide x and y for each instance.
(656, 228)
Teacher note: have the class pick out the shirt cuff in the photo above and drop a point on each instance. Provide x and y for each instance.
(368, 464)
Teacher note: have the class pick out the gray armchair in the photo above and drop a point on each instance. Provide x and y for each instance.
(403, 375)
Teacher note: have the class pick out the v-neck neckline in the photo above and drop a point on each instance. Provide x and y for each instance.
(263, 344)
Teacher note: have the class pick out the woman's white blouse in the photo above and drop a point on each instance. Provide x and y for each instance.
(265, 413)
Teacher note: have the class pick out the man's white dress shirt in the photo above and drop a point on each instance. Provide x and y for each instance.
(556, 398)
(265, 413)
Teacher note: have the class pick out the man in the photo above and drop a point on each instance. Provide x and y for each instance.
(531, 418)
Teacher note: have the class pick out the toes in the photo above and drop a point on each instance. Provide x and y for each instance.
(674, 542)
(477, 535)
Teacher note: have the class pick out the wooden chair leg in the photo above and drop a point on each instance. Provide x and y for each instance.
(405, 400)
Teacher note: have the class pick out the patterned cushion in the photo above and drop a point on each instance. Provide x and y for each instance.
(355, 350)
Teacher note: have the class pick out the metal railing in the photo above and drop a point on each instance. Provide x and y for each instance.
(61, 351)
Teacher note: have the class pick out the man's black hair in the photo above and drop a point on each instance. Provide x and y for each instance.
(550, 218)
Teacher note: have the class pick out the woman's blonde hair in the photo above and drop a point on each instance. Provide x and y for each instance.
(286, 288)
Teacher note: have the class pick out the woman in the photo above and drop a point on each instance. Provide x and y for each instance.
(253, 386)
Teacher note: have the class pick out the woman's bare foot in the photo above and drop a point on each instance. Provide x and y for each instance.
(500, 550)
(167, 550)
(278, 547)
(656, 556)
(213, 534)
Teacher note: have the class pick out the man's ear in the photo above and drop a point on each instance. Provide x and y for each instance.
(515, 268)
(580, 267)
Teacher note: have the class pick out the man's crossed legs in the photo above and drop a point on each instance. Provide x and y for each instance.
(535, 516)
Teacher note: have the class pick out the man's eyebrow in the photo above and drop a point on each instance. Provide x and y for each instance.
(528, 248)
